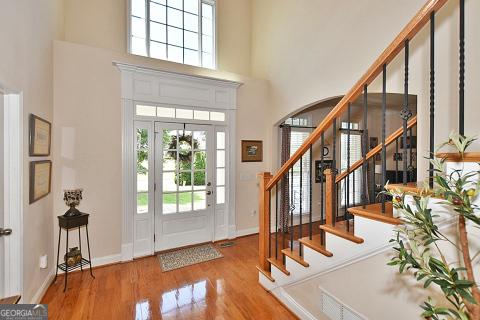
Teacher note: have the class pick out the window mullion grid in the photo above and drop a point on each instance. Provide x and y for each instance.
(147, 27)
(200, 31)
(166, 29)
(183, 31)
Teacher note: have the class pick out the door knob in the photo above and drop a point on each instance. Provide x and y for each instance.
(5, 232)
(209, 192)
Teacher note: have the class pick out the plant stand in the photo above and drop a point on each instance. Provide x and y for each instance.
(68, 223)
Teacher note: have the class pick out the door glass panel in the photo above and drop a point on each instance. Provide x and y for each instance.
(221, 176)
(200, 161)
(200, 200)
(200, 140)
(220, 140)
(220, 158)
(184, 201)
(170, 160)
(200, 183)
(169, 203)
(142, 171)
(169, 139)
(185, 181)
(169, 182)
(220, 195)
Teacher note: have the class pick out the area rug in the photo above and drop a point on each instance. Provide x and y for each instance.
(186, 257)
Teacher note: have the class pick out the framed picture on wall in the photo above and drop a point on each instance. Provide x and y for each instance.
(252, 151)
(40, 179)
(319, 169)
(40, 136)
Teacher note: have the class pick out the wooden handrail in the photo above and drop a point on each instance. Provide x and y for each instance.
(412, 28)
(389, 140)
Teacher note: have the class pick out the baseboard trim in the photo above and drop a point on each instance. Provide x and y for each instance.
(247, 232)
(38, 296)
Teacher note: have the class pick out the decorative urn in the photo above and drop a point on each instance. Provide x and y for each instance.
(72, 199)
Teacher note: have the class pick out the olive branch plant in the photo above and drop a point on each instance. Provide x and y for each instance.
(417, 239)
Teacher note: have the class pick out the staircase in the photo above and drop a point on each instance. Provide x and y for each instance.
(353, 229)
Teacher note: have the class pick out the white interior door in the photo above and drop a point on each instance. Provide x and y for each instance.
(2, 206)
(184, 165)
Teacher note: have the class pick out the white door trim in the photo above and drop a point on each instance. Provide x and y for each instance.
(161, 87)
(13, 186)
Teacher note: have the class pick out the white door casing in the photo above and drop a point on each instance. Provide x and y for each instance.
(150, 86)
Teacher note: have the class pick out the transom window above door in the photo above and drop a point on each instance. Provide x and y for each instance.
(181, 31)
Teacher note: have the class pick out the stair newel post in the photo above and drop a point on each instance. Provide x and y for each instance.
(264, 220)
(330, 197)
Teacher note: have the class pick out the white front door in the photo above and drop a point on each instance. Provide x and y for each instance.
(184, 166)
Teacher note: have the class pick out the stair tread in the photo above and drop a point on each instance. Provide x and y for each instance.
(267, 274)
(315, 244)
(279, 265)
(374, 212)
(339, 229)
(295, 255)
(411, 187)
(457, 157)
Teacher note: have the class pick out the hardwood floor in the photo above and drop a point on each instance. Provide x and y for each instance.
(225, 288)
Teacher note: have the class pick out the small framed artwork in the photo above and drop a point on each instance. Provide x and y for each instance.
(40, 136)
(40, 179)
(319, 169)
(252, 151)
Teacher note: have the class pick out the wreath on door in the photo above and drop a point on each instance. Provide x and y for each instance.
(184, 148)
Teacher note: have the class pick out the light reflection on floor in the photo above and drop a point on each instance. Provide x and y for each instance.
(142, 310)
(180, 297)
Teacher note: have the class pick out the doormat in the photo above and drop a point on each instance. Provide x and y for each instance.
(186, 257)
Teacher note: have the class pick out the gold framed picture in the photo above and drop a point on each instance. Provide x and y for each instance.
(40, 179)
(40, 136)
(252, 151)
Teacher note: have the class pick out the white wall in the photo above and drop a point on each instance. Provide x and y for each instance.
(27, 29)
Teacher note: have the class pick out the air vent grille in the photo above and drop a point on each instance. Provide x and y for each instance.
(335, 310)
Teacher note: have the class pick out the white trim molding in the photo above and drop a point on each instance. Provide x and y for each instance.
(146, 85)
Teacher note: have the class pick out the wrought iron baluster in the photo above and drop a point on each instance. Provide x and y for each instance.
(396, 160)
(300, 231)
(432, 96)
(384, 148)
(322, 203)
(373, 182)
(405, 113)
(334, 171)
(461, 112)
(410, 167)
(347, 199)
(364, 147)
(310, 195)
(292, 208)
(277, 204)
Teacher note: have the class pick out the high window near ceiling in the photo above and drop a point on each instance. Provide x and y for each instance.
(181, 31)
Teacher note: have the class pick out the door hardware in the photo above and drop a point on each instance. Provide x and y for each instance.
(5, 232)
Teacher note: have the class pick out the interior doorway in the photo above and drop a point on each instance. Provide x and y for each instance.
(11, 177)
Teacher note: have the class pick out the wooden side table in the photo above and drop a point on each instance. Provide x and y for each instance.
(68, 223)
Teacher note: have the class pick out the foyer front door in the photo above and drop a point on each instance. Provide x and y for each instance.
(184, 213)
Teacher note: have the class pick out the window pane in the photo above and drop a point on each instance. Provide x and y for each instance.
(220, 195)
(158, 13)
(166, 112)
(185, 181)
(169, 139)
(138, 46)
(158, 50)
(138, 8)
(200, 161)
(169, 182)
(207, 11)
(207, 27)
(220, 158)
(175, 18)
(201, 115)
(184, 114)
(199, 183)
(207, 44)
(220, 177)
(199, 139)
(191, 41)
(191, 57)
(191, 22)
(170, 160)
(169, 203)
(142, 171)
(148, 111)
(138, 27)
(200, 200)
(207, 60)
(158, 32)
(175, 54)
(175, 37)
(220, 140)
(191, 6)
(175, 4)
(184, 201)
(217, 116)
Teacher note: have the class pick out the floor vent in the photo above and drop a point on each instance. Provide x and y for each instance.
(227, 244)
(335, 310)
